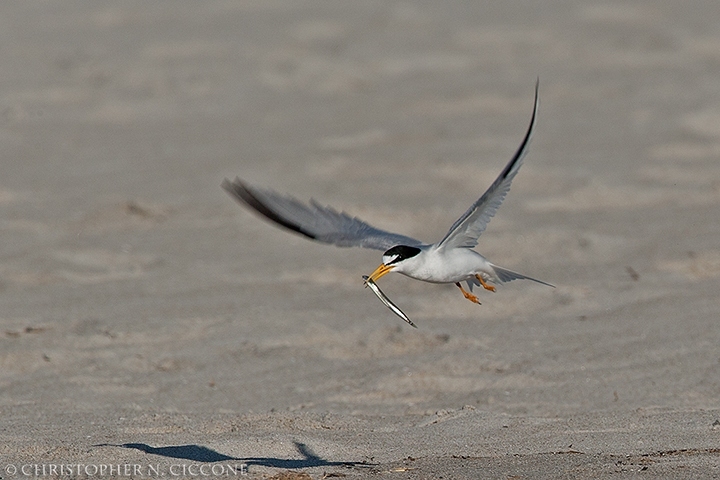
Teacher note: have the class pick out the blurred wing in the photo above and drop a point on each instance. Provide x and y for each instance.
(323, 224)
(466, 229)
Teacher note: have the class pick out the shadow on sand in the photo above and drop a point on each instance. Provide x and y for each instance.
(197, 453)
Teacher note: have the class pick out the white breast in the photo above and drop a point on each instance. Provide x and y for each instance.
(445, 266)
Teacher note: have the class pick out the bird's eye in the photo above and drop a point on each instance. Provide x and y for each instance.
(398, 253)
(391, 259)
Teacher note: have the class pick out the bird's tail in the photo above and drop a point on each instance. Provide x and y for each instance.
(506, 275)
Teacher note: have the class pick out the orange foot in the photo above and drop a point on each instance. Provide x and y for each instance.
(482, 282)
(468, 295)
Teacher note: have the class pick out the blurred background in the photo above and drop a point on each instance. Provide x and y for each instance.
(130, 280)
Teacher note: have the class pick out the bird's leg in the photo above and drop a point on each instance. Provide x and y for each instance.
(468, 295)
(482, 282)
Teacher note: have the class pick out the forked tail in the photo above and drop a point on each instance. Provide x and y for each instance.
(506, 275)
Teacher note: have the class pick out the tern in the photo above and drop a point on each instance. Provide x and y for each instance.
(451, 260)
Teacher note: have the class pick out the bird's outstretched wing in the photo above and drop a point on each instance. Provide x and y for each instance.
(323, 224)
(466, 229)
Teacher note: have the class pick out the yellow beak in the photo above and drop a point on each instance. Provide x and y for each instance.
(380, 271)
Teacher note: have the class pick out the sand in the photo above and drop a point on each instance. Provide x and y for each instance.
(150, 327)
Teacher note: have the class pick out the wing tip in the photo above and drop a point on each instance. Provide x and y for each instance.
(237, 189)
(244, 194)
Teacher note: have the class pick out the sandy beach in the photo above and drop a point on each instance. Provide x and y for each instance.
(152, 328)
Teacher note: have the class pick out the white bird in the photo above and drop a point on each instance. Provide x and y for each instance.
(451, 260)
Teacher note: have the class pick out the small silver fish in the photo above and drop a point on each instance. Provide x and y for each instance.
(384, 299)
